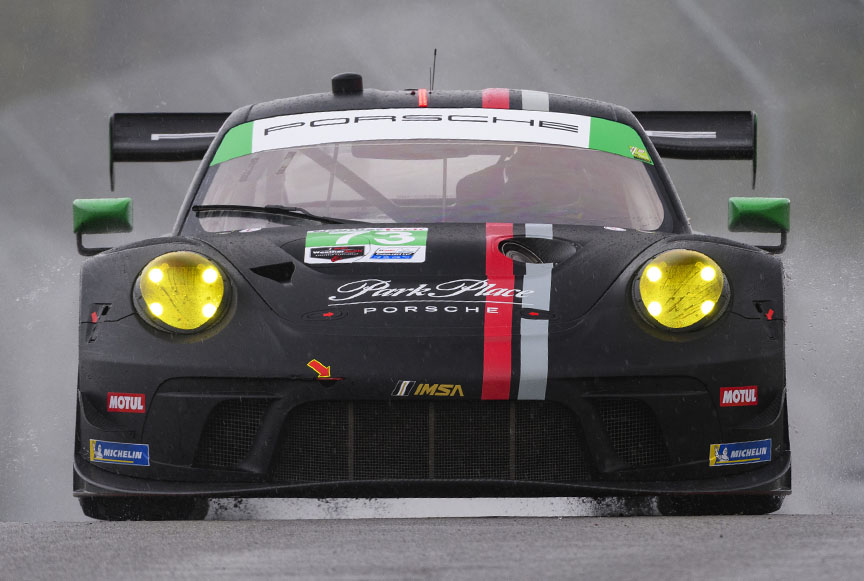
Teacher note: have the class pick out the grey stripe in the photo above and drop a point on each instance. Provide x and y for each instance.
(534, 339)
(683, 134)
(538, 230)
(163, 136)
(535, 101)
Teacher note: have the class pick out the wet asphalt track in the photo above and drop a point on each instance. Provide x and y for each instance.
(644, 548)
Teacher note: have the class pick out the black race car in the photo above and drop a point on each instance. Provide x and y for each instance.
(431, 293)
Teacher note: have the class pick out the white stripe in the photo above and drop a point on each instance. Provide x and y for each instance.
(535, 101)
(683, 134)
(534, 333)
(163, 136)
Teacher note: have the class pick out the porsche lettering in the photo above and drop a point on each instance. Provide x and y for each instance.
(431, 309)
(454, 118)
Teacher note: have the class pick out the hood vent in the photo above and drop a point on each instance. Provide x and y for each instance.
(281, 272)
(536, 250)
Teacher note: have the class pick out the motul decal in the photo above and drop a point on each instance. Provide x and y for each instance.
(132, 403)
(738, 396)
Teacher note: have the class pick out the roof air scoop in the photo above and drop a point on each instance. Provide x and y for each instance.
(347, 84)
(536, 250)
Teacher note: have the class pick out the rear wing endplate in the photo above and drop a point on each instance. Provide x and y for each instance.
(161, 136)
(702, 134)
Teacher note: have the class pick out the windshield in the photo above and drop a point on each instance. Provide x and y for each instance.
(396, 166)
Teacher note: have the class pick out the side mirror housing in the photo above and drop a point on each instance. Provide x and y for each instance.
(100, 216)
(760, 215)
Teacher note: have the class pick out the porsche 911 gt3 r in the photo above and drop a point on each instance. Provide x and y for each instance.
(431, 293)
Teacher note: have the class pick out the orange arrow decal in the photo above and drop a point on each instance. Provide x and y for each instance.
(322, 370)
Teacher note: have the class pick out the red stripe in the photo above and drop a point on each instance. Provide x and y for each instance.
(498, 324)
(422, 98)
(496, 98)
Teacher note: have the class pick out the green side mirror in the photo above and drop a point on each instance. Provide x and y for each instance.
(100, 216)
(759, 214)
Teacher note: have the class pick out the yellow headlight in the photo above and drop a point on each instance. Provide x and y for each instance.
(182, 290)
(680, 288)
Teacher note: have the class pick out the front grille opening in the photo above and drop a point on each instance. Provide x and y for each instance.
(471, 440)
(230, 432)
(634, 431)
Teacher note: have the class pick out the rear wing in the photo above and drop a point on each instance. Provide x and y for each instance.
(702, 134)
(161, 136)
(676, 134)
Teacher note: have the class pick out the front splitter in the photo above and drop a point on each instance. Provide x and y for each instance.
(775, 478)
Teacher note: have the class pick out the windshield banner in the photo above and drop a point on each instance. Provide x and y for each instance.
(503, 125)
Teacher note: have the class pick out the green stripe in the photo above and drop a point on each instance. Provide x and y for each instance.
(237, 142)
(616, 138)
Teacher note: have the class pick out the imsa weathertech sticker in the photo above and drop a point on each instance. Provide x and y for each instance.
(119, 453)
(740, 453)
(381, 245)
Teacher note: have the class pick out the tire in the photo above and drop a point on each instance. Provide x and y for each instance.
(144, 508)
(719, 504)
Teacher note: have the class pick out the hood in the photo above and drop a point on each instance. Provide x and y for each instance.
(466, 278)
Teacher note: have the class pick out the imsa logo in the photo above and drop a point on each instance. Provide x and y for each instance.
(415, 389)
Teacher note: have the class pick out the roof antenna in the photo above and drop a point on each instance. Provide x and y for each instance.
(432, 70)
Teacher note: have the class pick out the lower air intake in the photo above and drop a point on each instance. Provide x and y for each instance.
(634, 431)
(472, 440)
(230, 433)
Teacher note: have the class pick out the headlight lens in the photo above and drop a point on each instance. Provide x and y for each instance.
(681, 288)
(181, 291)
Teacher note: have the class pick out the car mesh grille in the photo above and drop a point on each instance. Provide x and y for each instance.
(767, 416)
(634, 431)
(230, 432)
(380, 440)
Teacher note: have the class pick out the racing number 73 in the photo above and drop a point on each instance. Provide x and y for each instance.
(398, 237)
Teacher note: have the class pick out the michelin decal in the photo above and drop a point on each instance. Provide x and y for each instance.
(119, 453)
(740, 453)
(381, 245)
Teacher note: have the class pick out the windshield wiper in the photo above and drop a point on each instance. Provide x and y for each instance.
(292, 211)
